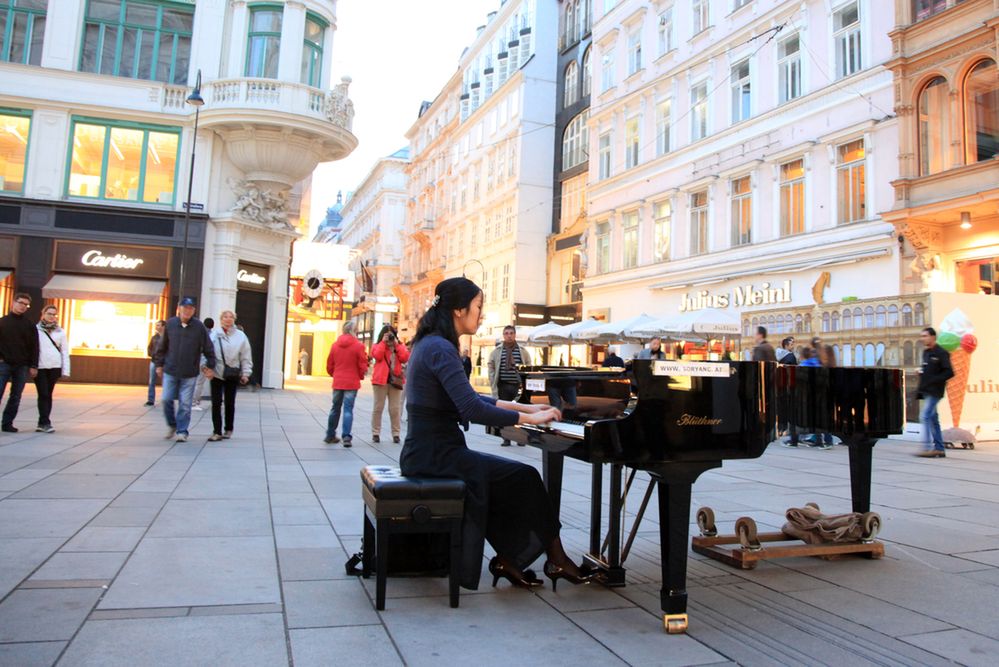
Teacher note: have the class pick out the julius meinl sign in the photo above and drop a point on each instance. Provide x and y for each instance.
(747, 295)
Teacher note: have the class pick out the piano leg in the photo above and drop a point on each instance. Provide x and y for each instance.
(612, 574)
(596, 505)
(551, 471)
(861, 450)
(674, 528)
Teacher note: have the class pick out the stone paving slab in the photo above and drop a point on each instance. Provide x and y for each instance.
(31, 654)
(352, 646)
(62, 609)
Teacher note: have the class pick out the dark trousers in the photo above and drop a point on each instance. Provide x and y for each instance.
(507, 391)
(223, 389)
(45, 383)
(16, 376)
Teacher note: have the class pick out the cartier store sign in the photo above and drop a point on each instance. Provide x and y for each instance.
(111, 260)
(252, 277)
(762, 294)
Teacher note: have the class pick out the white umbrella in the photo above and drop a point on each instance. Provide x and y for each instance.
(538, 336)
(704, 323)
(568, 333)
(615, 332)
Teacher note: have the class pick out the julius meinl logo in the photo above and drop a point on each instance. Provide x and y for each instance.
(696, 420)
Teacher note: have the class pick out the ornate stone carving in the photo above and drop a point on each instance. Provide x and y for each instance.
(584, 258)
(922, 237)
(339, 109)
(264, 207)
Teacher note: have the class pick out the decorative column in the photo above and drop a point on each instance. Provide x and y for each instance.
(292, 42)
(236, 65)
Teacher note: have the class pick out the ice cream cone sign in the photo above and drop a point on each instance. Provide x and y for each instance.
(957, 337)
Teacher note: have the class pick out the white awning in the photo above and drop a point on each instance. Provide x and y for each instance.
(101, 288)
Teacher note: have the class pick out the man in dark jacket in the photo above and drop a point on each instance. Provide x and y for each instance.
(785, 355)
(178, 362)
(18, 356)
(763, 351)
(154, 344)
(612, 360)
(933, 378)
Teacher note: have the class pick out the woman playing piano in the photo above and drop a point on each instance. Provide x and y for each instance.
(506, 503)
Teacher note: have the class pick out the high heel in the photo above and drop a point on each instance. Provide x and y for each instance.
(556, 572)
(525, 579)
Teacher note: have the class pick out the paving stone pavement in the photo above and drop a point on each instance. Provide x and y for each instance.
(118, 547)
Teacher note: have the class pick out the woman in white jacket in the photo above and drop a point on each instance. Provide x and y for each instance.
(53, 363)
(234, 365)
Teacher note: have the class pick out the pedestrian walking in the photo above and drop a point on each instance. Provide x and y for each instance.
(233, 367)
(466, 363)
(178, 361)
(387, 381)
(504, 378)
(199, 388)
(154, 343)
(18, 356)
(303, 362)
(933, 376)
(347, 364)
(53, 364)
(785, 353)
(653, 351)
(763, 351)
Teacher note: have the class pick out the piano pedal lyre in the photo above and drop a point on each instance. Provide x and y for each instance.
(675, 624)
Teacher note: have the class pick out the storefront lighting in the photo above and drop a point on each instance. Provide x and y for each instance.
(965, 220)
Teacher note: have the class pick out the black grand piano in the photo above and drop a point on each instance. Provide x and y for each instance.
(676, 420)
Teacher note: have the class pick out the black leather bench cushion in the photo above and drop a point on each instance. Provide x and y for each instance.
(385, 483)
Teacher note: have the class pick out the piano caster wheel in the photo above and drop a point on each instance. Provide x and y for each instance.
(675, 624)
(706, 522)
(871, 524)
(745, 528)
(813, 505)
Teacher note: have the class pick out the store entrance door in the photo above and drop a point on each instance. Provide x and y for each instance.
(251, 309)
(305, 343)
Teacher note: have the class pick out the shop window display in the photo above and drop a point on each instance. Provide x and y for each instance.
(106, 328)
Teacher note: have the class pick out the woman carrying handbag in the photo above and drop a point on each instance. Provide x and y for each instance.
(233, 367)
(53, 364)
(387, 380)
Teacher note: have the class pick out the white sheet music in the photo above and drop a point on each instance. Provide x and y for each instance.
(574, 430)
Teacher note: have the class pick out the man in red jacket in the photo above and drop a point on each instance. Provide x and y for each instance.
(347, 364)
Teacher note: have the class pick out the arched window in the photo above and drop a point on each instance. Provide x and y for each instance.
(919, 312)
(771, 323)
(869, 317)
(836, 354)
(906, 315)
(825, 323)
(847, 319)
(799, 324)
(756, 323)
(981, 112)
(847, 355)
(858, 318)
(870, 356)
(587, 73)
(575, 141)
(571, 85)
(746, 331)
(779, 327)
(808, 324)
(907, 358)
(934, 124)
(879, 355)
(571, 34)
(835, 321)
(858, 354)
(893, 315)
(881, 317)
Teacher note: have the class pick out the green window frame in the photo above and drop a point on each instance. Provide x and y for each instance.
(9, 129)
(312, 53)
(144, 152)
(22, 30)
(263, 46)
(147, 39)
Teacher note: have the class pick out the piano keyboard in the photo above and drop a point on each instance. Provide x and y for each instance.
(568, 428)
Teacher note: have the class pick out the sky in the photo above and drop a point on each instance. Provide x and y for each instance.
(398, 53)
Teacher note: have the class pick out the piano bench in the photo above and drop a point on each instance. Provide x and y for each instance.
(396, 504)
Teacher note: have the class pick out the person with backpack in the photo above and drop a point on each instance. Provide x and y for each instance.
(387, 381)
(53, 364)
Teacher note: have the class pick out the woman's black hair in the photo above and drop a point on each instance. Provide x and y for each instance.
(386, 327)
(451, 295)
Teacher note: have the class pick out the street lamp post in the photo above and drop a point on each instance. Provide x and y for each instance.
(196, 101)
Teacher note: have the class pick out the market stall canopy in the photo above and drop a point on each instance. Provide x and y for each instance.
(616, 332)
(705, 323)
(99, 288)
(536, 336)
(567, 334)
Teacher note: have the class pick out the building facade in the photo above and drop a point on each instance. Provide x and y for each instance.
(480, 179)
(97, 148)
(374, 221)
(740, 153)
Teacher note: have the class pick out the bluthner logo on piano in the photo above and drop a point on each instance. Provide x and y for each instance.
(695, 420)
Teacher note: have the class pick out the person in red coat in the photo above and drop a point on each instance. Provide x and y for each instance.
(387, 380)
(347, 364)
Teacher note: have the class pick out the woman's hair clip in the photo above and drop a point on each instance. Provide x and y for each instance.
(437, 300)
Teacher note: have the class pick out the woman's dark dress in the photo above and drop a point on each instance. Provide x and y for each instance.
(506, 502)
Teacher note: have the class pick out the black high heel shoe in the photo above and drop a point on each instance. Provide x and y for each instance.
(526, 579)
(556, 572)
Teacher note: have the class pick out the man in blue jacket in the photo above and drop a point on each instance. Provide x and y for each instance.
(933, 378)
(178, 362)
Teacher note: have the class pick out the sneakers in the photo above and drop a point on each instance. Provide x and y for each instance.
(8, 429)
(395, 439)
(932, 454)
(45, 429)
(375, 438)
(214, 437)
(505, 443)
(226, 435)
(170, 433)
(788, 443)
(330, 440)
(347, 440)
(148, 404)
(820, 445)
(197, 407)
(181, 437)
